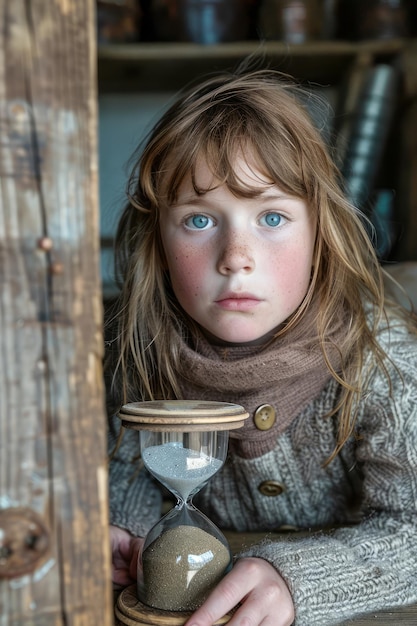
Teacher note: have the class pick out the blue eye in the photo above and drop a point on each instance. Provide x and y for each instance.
(198, 222)
(272, 219)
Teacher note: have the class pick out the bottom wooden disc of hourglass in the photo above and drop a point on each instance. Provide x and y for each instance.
(130, 611)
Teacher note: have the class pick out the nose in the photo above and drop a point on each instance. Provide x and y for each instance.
(235, 256)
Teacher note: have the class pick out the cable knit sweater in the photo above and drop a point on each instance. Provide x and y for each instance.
(367, 495)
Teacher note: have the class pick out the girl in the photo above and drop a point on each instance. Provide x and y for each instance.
(249, 278)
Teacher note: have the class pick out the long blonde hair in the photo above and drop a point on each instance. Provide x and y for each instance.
(267, 113)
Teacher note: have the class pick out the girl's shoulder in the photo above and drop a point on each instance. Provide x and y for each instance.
(390, 393)
(396, 336)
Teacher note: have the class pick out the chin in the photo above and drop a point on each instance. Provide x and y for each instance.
(234, 339)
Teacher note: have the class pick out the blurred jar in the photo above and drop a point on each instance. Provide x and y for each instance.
(293, 21)
(202, 21)
(382, 19)
(118, 21)
(329, 19)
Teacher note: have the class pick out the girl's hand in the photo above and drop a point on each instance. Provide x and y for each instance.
(125, 550)
(264, 595)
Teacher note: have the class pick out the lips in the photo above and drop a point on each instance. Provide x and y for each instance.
(237, 301)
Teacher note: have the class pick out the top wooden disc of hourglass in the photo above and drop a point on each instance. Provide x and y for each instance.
(182, 415)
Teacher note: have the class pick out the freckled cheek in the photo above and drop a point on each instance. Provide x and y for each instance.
(187, 271)
(292, 275)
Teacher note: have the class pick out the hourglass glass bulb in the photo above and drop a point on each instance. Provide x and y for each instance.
(184, 470)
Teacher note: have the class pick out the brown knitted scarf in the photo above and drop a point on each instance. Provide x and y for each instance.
(288, 374)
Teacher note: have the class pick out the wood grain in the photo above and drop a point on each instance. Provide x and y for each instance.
(52, 424)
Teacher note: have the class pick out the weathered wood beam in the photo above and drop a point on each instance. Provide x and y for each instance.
(54, 548)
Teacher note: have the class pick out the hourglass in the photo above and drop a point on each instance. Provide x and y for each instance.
(183, 444)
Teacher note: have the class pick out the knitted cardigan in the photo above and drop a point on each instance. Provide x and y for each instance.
(360, 552)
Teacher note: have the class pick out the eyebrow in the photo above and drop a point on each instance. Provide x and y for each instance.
(268, 195)
(265, 195)
(192, 200)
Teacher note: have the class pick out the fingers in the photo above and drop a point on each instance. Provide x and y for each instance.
(136, 548)
(223, 599)
(125, 552)
(264, 595)
(121, 577)
(267, 609)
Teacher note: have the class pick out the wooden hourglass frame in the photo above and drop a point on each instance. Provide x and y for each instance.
(183, 444)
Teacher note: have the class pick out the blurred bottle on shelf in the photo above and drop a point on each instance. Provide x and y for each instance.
(376, 19)
(369, 132)
(292, 21)
(202, 21)
(118, 21)
(382, 19)
(329, 19)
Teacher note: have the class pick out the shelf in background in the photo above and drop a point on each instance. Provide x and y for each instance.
(166, 66)
(181, 51)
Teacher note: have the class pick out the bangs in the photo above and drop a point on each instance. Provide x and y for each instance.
(218, 138)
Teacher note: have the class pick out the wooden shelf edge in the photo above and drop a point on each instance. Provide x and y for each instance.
(180, 50)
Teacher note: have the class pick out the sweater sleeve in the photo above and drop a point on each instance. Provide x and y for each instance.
(370, 566)
(134, 497)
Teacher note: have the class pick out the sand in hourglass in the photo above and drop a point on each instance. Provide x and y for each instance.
(181, 567)
(185, 562)
(178, 468)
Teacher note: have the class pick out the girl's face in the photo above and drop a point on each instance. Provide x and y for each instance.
(238, 266)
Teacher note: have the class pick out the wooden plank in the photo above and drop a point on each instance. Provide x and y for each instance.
(179, 50)
(52, 419)
(406, 616)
